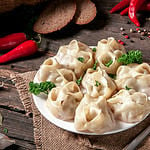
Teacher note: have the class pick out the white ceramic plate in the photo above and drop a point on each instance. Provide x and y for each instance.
(40, 102)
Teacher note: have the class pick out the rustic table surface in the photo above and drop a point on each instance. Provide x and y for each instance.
(20, 126)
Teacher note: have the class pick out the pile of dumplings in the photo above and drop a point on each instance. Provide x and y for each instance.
(99, 101)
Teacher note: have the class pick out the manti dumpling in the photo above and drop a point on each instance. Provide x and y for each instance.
(75, 56)
(98, 83)
(129, 106)
(59, 76)
(47, 68)
(139, 83)
(132, 70)
(109, 51)
(62, 101)
(94, 115)
(135, 76)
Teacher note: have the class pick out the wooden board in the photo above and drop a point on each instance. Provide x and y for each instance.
(20, 127)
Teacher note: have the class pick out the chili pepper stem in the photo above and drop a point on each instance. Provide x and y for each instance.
(39, 40)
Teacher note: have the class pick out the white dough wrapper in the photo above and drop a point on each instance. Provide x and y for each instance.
(132, 70)
(62, 101)
(109, 50)
(129, 106)
(94, 115)
(106, 86)
(68, 56)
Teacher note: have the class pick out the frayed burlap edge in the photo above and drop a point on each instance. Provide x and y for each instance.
(22, 89)
(37, 122)
(6, 73)
(21, 82)
(26, 99)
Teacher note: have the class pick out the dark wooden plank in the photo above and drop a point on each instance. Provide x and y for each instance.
(10, 98)
(27, 64)
(19, 126)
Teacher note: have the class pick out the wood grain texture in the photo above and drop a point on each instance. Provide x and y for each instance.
(20, 126)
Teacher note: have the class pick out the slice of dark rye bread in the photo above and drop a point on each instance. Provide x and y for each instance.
(56, 15)
(85, 13)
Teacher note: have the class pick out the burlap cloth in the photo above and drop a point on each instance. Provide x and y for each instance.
(49, 137)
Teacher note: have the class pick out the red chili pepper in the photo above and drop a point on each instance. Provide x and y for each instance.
(12, 40)
(124, 12)
(120, 6)
(26, 48)
(145, 7)
(133, 8)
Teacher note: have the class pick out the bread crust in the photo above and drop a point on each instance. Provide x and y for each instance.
(55, 16)
(85, 13)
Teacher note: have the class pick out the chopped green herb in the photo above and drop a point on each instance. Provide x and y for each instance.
(5, 130)
(127, 88)
(43, 87)
(79, 81)
(95, 65)
(112, 75)
(97, 83)
(81, 59)
(109, 63)
(133, 56)
(94, 49)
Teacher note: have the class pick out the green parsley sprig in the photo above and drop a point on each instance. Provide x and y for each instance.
(108, 63)
(97, 83)
(43, 87)
(79, 81)
(127, 88)
(94, 49)
(133, 56)
(81, 59)
(95, 65)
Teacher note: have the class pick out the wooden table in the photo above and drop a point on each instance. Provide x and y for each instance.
(20, 127)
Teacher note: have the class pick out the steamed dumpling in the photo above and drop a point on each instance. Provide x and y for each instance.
(135, 76)
(68, 56)
(48, 67)
(109, 50)
(109, 45)
(98, 83)
(143, 84)
(133, 70)
(138, 83)
(94, 115)
(62, 101)
(60, 76)
(129, 106)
